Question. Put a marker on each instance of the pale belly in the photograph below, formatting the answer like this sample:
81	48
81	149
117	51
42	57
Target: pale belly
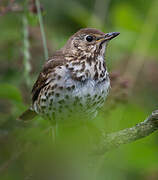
83	100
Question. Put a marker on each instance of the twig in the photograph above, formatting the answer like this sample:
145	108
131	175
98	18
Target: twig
42	29
27	66
125	136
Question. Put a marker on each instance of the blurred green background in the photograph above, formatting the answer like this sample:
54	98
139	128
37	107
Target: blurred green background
132	60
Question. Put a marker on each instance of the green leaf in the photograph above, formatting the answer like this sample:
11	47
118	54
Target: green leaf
32	19
10	92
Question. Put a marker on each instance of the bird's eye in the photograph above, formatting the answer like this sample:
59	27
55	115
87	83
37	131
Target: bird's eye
89	38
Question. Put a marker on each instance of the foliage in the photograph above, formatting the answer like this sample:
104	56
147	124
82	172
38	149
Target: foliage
132	59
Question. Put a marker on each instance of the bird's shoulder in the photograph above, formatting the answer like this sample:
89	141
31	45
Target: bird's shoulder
58	59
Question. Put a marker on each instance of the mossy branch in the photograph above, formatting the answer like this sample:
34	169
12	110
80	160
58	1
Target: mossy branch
125	136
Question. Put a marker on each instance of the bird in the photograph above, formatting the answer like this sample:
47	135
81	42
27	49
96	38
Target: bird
74	80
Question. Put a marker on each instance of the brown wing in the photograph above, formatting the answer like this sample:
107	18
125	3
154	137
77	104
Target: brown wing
57	60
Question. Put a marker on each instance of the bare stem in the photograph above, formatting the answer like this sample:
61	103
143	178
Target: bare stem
26	59
42	29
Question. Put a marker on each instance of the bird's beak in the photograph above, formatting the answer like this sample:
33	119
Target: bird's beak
108	36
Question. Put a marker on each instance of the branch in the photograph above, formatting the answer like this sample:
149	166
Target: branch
125	136
42	29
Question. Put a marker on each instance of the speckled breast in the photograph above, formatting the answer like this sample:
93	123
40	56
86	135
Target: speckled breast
74	99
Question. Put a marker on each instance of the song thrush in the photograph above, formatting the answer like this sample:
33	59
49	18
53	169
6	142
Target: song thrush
75	79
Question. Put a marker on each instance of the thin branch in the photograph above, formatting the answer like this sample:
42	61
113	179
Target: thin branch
42	29
26	52
125	136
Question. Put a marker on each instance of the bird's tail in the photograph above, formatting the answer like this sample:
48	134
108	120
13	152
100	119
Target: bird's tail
27	115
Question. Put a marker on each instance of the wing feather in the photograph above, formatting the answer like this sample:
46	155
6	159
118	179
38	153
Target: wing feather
43	76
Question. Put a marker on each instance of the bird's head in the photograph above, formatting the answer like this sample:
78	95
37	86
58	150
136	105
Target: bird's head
89	41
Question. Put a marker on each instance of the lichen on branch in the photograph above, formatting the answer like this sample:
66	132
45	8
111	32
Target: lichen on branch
125	136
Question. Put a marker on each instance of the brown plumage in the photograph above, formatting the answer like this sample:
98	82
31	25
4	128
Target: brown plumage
74	79
55	61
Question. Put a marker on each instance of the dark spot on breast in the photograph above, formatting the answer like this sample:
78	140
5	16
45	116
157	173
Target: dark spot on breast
54	75
102	101
89	61
52	93
73	86
68	88
83	58
99	97
86	74
95	67
57	94
102	74
95	102
48	87
61	101
43	100
53	87
83	68
77	78
98	102
52	79
100	65
96	76
59	77
51	102
83	65
67	97
71	68
82	78
104	65
75	63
